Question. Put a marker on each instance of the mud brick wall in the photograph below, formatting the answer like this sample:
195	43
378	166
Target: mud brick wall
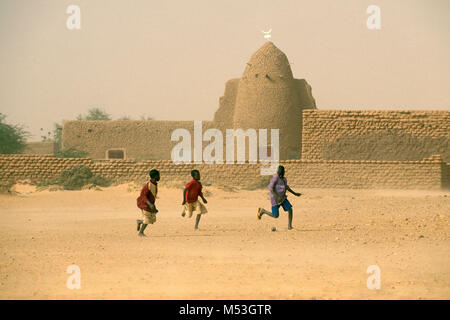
375	135
431	173
425	174
236	175
446	175
35	167
44	147
148	139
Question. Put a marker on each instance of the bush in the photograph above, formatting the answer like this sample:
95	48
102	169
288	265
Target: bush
76	179
95	114
70	153
12	137
6	186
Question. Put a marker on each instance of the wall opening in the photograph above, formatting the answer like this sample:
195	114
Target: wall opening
115	154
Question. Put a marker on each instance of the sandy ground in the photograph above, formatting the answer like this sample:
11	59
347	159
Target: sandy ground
339	233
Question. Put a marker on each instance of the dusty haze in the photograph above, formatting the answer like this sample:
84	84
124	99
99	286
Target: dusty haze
337	235
171	59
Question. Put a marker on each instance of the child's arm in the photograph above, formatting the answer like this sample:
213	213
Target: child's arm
200	193
297	194
184	196
151	205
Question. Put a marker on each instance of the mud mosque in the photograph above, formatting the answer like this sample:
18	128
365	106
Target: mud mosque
268	96
320	148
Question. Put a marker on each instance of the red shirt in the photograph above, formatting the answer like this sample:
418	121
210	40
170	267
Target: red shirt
148	193
193	190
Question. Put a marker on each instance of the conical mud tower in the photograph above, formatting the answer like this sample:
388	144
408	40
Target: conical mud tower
268	97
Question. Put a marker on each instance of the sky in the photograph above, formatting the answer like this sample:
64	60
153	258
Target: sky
170	59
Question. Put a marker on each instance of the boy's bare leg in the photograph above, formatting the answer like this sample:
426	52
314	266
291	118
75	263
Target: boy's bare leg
183	213
290	219
139	222
141	232
197	220
262	211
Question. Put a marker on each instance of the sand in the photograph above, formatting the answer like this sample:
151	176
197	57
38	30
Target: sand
339	233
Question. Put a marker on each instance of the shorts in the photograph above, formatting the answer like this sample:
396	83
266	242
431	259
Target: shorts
286	206
194	206
147	217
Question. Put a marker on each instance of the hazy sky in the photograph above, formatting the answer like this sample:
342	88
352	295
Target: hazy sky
171	59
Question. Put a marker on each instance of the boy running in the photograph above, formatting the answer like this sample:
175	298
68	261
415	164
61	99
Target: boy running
191	192
146	202
278	187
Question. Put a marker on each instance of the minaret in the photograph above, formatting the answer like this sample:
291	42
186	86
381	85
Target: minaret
269	97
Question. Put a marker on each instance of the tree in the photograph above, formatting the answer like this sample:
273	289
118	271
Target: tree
143	117
95	114
12	137
57	131
47	137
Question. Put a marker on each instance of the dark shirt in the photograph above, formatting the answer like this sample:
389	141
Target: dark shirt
148	193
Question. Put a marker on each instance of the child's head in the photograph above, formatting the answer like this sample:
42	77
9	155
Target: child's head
195	174
280	171
154	174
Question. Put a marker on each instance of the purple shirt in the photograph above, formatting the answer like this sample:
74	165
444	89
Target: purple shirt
280	188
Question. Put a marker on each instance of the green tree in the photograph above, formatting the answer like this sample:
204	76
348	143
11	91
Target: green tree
95	114
70	153
45	138
57	132
144	117
12	137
